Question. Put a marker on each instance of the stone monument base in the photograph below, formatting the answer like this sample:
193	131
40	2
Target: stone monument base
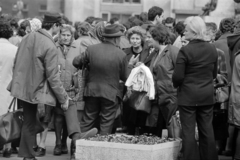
96	150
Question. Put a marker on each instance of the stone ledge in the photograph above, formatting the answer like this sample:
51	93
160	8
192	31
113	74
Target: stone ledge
94	150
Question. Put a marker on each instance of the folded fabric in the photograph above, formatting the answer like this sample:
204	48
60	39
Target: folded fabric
141	79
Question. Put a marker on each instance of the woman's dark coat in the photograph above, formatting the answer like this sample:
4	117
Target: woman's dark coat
196	67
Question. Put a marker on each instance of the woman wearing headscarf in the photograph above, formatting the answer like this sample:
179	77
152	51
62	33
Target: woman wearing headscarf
68	49
193	76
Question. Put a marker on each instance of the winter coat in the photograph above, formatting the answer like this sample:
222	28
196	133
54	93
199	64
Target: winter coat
68	75
36	77
234	102
144	57
234	46
7	55
196	67
222	44
107	65
162	67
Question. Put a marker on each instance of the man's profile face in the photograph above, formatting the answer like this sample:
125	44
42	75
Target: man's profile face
170	26
56	29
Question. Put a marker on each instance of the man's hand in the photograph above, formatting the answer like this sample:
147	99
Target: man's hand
134	60
65	105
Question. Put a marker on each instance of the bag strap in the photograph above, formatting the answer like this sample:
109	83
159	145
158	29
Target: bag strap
10	106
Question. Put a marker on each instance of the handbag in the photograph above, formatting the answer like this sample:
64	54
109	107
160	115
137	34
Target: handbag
174	128
222	94
138	101
11	124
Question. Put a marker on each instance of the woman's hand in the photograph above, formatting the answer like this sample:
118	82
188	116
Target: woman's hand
134	60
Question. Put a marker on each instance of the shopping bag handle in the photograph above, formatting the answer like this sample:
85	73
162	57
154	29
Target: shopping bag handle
10	106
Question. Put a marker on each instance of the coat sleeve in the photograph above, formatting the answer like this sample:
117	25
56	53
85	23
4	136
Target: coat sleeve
81	60
53	76
179	70
126	69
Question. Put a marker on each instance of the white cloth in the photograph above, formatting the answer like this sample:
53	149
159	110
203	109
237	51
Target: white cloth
141	79
178	42
7	55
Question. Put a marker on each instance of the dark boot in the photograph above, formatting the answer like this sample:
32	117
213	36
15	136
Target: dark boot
73	149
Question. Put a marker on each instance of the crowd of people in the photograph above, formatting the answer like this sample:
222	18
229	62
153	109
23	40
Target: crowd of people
72	78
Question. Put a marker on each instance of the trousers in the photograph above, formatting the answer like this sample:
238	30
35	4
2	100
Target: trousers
97	108
202	116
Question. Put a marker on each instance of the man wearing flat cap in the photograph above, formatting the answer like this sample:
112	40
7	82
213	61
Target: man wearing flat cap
36	79
107	64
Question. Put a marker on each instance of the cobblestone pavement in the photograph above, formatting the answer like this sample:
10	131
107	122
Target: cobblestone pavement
50	142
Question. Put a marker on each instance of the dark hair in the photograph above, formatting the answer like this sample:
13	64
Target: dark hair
65	20
170	20
113	20
127	25
90	19
83	28
134	21
160	33
97	20
237	23
153	12
143	16
48	26
13	23
22	28
5	30
226	25
212	26
218	35
179	28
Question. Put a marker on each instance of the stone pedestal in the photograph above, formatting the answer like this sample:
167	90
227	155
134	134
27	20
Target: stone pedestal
95	150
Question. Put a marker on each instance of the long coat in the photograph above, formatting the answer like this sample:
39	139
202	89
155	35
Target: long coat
234	102
107	65
7	55
196	67
234	45
222	44
162	67
35	76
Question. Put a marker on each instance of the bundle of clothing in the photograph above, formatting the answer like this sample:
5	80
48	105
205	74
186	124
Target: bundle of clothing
141	79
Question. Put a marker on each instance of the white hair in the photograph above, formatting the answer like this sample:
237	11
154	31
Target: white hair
197	25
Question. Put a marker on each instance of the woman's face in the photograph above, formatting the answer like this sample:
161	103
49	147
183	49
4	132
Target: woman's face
135	40
28	30
66	37
189	34
151	42
184	41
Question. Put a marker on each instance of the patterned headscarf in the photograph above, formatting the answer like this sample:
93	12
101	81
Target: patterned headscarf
36	24
97	31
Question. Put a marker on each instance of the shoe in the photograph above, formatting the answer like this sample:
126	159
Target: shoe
40	152
57	150
14	150
73	150
35	148
7	153
64	149
90	133
30	158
